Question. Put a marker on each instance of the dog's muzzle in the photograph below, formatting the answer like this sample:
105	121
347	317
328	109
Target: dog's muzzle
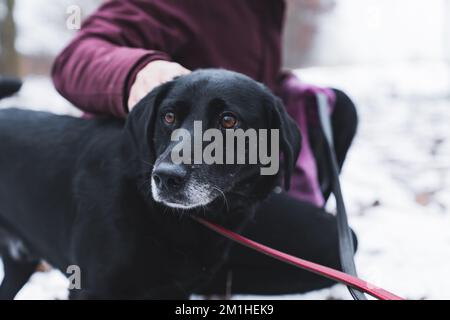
175	187
169	177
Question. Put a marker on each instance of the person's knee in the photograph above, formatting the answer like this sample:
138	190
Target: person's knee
355	240
345	111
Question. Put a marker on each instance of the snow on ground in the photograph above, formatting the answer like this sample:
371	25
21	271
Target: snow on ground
396	180
37	93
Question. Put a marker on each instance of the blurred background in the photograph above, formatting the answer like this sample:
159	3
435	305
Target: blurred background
391	56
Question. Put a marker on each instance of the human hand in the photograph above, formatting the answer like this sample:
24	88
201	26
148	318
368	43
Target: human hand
152	75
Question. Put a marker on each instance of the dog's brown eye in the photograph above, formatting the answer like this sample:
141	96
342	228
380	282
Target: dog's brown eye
169	117
228	121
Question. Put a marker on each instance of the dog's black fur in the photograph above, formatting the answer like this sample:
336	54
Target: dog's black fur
78	192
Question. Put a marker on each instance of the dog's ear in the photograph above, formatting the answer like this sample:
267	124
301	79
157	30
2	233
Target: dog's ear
140	123
290	138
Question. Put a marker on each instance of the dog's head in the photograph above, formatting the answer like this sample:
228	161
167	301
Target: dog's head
189	165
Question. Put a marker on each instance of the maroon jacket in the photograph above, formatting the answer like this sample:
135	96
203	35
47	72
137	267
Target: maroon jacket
95	72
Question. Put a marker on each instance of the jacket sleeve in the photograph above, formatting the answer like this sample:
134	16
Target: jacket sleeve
96	70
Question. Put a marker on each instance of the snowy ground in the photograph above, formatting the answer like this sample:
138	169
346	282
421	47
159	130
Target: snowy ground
396	180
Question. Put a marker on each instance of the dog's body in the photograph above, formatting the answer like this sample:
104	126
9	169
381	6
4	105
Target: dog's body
78	192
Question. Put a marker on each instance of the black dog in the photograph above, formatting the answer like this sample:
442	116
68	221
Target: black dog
79	192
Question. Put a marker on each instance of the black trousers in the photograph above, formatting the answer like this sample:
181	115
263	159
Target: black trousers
293	226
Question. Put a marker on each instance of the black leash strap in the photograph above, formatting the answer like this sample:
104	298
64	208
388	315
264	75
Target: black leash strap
346	245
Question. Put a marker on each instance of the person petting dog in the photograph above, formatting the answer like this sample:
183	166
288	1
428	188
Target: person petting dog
127	48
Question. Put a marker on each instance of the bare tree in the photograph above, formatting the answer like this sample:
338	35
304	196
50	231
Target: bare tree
9	58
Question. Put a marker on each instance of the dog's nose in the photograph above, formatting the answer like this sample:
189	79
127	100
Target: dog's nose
169	176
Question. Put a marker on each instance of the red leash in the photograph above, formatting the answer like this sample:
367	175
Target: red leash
330	273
